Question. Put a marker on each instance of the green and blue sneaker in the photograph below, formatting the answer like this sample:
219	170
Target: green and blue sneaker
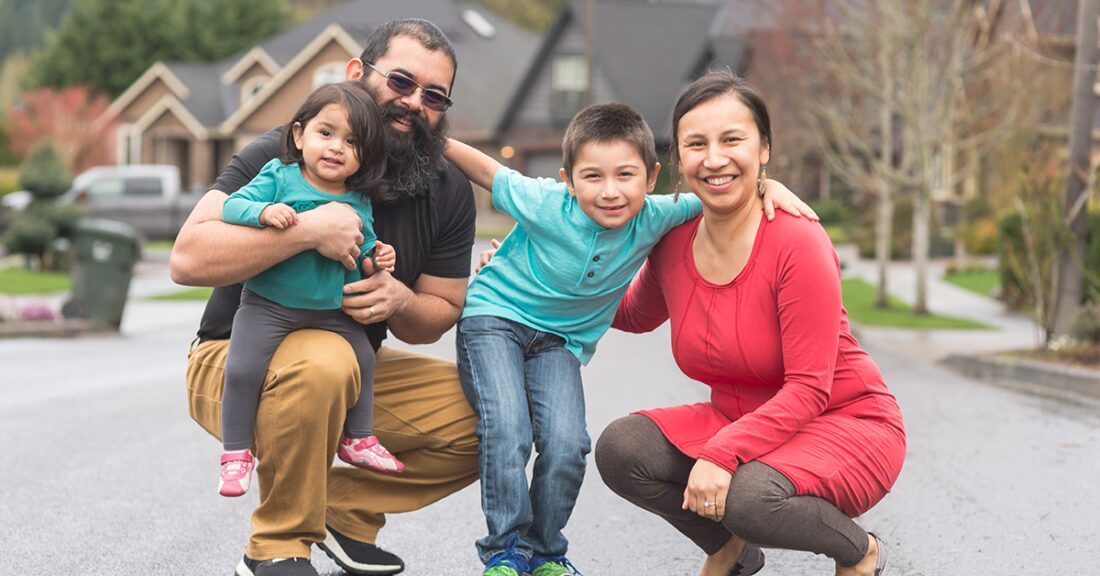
507	563
553	566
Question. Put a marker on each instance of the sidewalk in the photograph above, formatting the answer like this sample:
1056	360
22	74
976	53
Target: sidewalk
970	352
1012	331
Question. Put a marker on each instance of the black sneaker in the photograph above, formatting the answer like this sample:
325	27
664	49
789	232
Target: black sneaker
750	562
276	567
359	557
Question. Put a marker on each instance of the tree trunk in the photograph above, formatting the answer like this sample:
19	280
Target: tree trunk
922	216
884	229
1071	260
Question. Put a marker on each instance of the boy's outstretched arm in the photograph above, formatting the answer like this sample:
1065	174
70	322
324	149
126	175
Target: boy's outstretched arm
475	164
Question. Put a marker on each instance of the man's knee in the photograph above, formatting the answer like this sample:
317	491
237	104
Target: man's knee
320	363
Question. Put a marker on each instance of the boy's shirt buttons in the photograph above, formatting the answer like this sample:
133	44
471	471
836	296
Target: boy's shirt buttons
591	274
596	258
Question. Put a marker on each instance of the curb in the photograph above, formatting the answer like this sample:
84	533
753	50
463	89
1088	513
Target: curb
65	329
1030	376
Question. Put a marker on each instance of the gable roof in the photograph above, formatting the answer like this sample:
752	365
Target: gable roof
648	52
648	70
331	33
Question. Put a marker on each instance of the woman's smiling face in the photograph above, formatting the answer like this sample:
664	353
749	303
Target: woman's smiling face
721	153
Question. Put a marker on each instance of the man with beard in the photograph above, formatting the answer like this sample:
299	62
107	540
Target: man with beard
427	214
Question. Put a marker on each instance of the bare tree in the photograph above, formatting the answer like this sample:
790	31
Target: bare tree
1070	284
854	50
913	87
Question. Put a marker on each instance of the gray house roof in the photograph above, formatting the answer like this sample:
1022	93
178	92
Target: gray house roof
205	101
489	72
648	52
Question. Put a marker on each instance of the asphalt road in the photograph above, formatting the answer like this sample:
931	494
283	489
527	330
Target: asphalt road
995	483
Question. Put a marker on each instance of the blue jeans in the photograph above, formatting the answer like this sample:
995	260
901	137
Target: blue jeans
526	388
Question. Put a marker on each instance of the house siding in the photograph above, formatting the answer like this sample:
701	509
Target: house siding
537	109
278	108
146	100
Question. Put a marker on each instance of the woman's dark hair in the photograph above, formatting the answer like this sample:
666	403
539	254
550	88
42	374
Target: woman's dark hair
713	85
365	120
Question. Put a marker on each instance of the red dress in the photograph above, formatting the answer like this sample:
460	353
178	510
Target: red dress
790	386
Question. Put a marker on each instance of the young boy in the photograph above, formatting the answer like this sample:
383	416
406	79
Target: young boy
533	316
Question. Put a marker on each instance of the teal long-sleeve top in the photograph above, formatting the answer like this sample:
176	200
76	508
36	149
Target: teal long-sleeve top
307	280
559	271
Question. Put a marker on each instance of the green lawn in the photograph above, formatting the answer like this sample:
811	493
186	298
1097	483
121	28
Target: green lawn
22	281
158	246
859	300
981	281
187	294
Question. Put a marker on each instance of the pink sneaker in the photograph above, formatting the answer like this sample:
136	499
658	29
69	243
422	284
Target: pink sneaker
236	473
369	454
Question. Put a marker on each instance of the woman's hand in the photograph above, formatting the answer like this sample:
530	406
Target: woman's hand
707	488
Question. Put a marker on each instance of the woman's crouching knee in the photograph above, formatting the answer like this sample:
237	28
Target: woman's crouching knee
618	453
757	492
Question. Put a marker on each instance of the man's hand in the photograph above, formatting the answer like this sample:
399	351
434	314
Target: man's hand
375	298
384	255
278	216
707	488
335	231
487	255
776	195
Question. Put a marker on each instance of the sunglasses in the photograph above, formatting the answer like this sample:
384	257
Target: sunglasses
405	86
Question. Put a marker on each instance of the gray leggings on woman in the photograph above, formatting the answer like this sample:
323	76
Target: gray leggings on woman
638	463
258	328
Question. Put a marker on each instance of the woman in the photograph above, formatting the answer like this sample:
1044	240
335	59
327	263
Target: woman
801	434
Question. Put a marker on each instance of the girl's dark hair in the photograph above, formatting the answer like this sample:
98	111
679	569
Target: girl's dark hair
713	85
365	120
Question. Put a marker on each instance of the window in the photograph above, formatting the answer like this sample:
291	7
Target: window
568	85
250	87
147	186
330	73
106	188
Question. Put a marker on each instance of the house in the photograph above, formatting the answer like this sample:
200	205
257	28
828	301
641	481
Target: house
515	92
644	54
196	116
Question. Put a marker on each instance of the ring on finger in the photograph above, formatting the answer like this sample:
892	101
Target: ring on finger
371	310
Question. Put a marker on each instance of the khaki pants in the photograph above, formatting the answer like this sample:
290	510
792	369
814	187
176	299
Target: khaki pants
420	414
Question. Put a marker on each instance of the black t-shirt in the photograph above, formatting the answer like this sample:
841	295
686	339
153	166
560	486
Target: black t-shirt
433	232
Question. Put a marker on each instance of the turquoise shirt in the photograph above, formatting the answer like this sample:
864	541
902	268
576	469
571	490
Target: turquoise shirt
306	280
560	272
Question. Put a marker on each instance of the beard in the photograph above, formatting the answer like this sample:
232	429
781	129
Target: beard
412	158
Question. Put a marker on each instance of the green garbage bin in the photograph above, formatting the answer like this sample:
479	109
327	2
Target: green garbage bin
106	252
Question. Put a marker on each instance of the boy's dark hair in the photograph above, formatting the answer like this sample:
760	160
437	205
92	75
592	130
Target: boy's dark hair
713	85
429	35
606	123
366	127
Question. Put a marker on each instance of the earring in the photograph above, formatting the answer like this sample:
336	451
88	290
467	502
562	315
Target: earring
760	181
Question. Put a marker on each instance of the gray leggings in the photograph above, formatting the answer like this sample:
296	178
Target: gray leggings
258	328
638	463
